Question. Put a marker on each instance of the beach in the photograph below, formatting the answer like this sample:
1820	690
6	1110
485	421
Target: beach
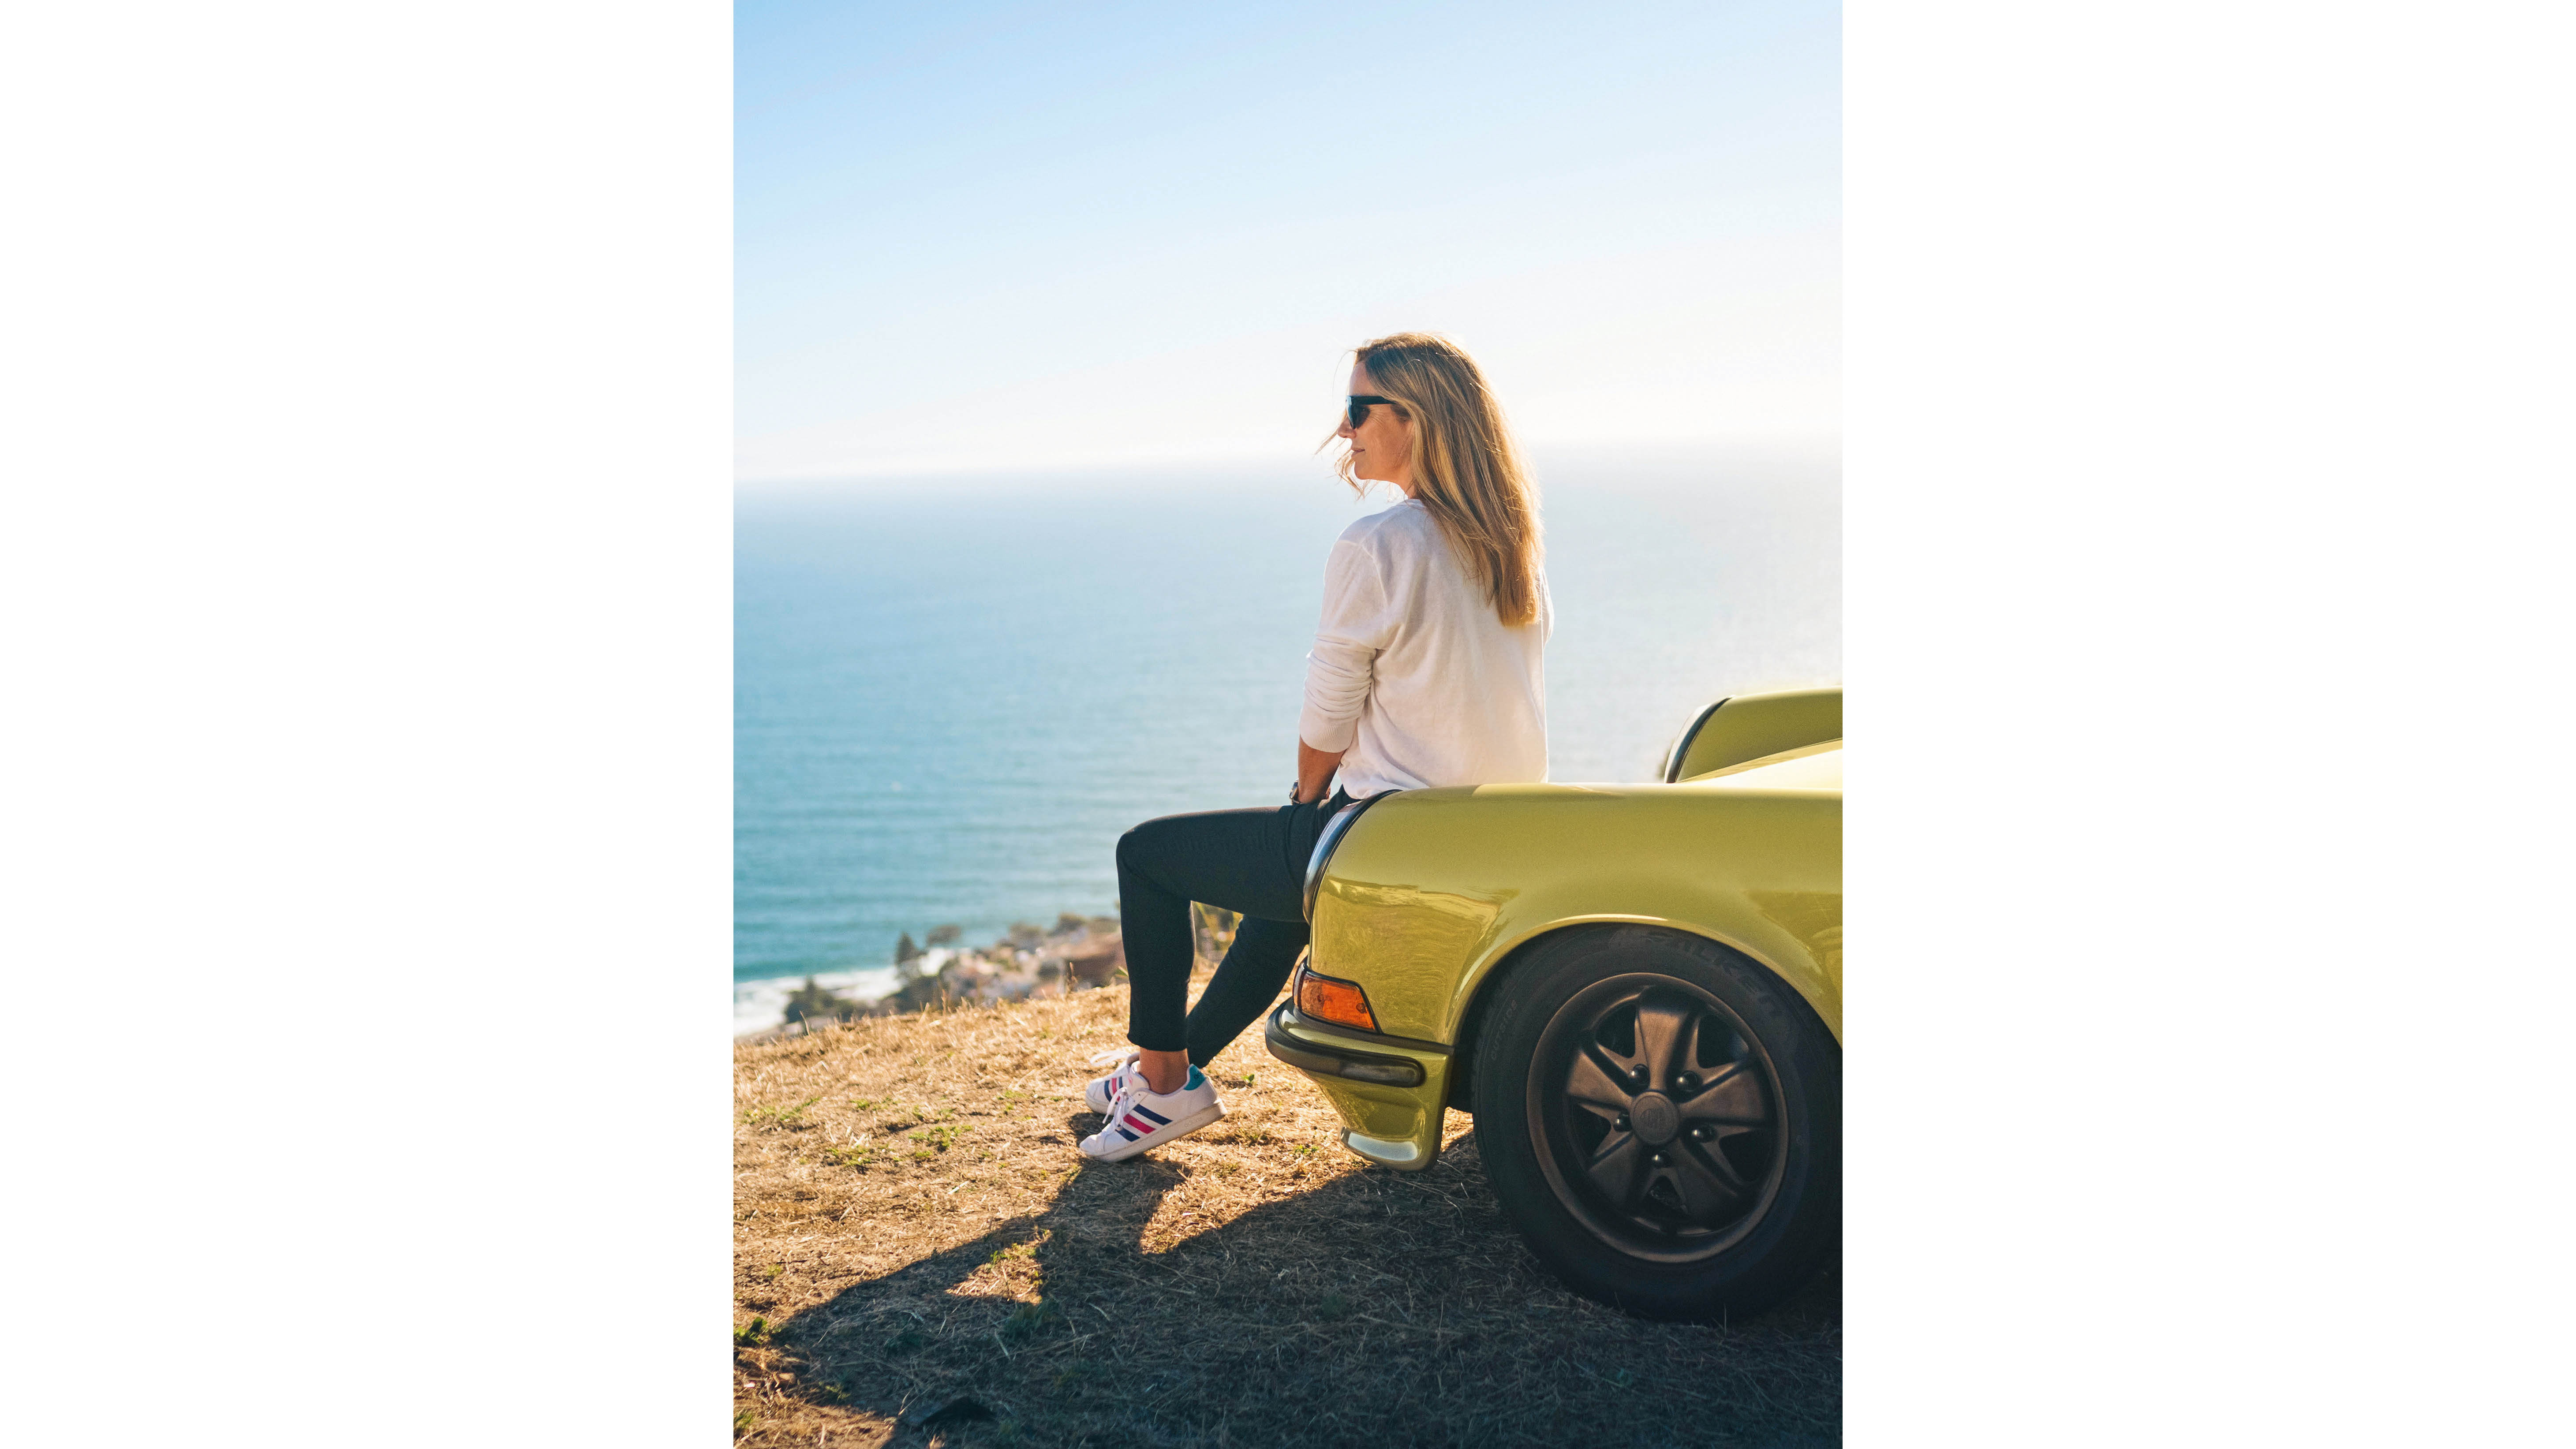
1027	963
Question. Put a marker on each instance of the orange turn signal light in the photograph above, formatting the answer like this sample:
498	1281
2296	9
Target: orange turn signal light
1339	1002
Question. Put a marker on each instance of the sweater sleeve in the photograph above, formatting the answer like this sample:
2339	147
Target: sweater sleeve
1340	668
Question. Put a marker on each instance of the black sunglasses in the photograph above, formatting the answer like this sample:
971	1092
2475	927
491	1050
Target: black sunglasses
1362	402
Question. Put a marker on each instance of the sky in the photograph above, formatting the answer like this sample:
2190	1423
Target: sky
994	237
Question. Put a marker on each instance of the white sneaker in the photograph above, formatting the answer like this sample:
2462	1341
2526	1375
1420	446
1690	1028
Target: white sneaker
1140	1117
1104	1090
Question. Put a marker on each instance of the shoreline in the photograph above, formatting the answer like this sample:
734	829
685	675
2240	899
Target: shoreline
1028	963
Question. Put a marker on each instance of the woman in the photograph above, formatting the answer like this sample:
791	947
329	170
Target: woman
1426	671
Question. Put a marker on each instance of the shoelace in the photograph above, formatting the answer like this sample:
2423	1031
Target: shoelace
1117	1061
1120	1102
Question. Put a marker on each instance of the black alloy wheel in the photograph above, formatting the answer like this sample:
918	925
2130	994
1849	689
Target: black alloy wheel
1661	1125
1671	1142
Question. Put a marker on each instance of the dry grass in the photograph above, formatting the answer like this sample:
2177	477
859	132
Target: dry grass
914	1227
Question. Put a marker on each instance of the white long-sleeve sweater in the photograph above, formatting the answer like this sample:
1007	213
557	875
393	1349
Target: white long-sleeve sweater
1413	674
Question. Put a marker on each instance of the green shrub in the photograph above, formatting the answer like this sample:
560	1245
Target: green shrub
812	1000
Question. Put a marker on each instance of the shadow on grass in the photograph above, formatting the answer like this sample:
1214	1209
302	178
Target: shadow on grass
1376	1308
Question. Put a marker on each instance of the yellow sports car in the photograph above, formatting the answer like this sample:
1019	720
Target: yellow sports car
1636	989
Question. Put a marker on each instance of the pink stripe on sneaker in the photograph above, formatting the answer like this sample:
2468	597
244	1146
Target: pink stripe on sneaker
1141	1128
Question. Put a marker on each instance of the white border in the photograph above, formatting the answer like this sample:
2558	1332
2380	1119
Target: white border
2207	393
366	573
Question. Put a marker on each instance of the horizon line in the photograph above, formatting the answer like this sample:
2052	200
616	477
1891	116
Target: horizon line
1810	445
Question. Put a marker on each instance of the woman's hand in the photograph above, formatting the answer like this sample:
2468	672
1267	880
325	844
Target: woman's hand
1315	770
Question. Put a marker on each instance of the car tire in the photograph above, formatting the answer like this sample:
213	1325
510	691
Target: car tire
1662	1118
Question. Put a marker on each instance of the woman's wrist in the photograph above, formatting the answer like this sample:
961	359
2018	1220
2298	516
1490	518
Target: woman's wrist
1314	772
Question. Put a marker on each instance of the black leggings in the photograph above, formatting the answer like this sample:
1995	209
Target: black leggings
1253	861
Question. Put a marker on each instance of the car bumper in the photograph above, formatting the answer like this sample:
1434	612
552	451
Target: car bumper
1392	1096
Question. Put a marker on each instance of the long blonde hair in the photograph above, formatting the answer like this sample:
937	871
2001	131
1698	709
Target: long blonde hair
1467	472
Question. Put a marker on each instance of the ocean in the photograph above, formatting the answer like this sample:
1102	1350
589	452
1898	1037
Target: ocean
951	696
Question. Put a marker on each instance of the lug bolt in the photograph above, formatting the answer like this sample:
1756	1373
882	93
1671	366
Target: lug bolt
1688	1081
1623	1121
1703	1132
1657	1159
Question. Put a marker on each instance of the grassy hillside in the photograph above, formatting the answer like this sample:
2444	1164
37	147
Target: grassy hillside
914	1232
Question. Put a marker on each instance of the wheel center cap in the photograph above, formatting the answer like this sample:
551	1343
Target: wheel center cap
1655	1118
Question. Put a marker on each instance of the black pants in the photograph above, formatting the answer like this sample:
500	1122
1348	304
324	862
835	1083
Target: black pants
1253	861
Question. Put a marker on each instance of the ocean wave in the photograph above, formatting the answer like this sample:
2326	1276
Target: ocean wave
762	1004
